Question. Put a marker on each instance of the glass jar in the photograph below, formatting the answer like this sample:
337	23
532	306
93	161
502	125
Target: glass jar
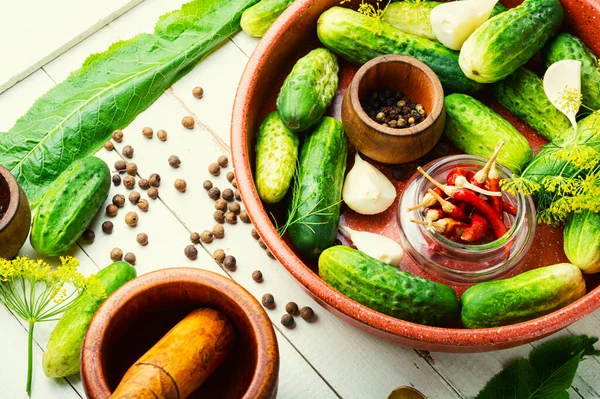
462	262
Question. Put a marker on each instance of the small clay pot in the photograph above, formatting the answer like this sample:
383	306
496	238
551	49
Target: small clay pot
142	311
15	215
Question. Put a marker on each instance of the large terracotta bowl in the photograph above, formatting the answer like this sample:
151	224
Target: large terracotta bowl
142	311
15	215
291	37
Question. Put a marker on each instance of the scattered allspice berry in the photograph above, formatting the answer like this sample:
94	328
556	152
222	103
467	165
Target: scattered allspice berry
129	182
142	239
223	161
255	234
116	179
257	276
244	216
195	238
89	235
262	244
143	205
268	301
144	184
154	180
109	146
117	136
229	262
287	320
227	194
307	313
119	200
207	185
230	176
219	255
234	207
130	258
291	308
120	165
214	169
207	236
153	193
111	210
230	218
174	161
131	219
221	205
198	92
191	252
128	151
107	227
218	231
234	183
214	193
180	185
219	216
238	196
147	132
131	168
134	197
270	254
162	135
116	254
188	122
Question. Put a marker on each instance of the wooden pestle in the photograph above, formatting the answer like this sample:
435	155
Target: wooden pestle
181	361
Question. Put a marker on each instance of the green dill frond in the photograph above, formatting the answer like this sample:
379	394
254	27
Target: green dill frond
519	184
560	185
581	156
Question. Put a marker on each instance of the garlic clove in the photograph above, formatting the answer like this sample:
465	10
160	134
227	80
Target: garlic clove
376	246
562	85
454	22
366	190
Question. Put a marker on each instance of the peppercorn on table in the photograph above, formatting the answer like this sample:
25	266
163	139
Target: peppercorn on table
324	358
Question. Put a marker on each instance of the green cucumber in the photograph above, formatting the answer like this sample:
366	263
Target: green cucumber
387	289
522	93
503	43
582	241
61	358
257	19
314	213
568	47
359	38
69	206
476	129
276	158
524	297
308	90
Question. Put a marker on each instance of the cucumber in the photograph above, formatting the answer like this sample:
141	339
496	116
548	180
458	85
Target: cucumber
522	93
387	289
359	38
476	129
582	241
61	358
314	213
257	19
507	41
568	47
524	297
308	90
276	158
69	206
413	16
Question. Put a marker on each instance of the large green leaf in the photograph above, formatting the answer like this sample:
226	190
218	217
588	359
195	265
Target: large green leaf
74	119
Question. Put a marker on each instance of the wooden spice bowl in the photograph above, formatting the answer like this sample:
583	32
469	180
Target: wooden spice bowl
15	215
142	311
385	144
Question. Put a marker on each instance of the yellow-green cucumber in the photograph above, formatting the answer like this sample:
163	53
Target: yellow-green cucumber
314	212
308	90
524	297
257	19
387	289
61	358
476	129
69	206
503	43
582	241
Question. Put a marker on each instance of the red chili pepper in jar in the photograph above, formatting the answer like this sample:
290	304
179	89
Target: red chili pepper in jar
450	209
477	229
481	176
494	180
428	200
458	172
445	226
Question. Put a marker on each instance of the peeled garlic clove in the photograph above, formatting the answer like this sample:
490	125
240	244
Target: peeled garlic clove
454	22
376	246
562	85
366	190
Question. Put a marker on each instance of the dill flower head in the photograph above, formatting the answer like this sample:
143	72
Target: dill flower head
569	100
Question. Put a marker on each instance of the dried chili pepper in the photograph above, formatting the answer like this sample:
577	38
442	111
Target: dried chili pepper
458	172
428	200
509	208
444	226
450	209
494	180
481	176
477	229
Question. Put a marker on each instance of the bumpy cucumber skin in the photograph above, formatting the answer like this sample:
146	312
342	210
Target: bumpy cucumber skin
308	90
359	39
61	358
257	19
321	177
582	241
522	93
476	129
507	41
276	158
568	47
69	206
524	297
387	289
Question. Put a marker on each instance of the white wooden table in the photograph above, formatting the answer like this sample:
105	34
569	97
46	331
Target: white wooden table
325	359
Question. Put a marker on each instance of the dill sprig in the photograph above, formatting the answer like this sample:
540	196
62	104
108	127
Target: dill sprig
373	11
37	292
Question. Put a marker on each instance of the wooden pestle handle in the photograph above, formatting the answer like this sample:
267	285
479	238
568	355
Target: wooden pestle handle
181	361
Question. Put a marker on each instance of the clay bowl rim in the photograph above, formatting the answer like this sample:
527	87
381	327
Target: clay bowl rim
417	335
14	197
91	366
437	89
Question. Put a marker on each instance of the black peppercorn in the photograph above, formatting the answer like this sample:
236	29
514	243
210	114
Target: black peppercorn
268	301
107	227
116	179
229	262
88	235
